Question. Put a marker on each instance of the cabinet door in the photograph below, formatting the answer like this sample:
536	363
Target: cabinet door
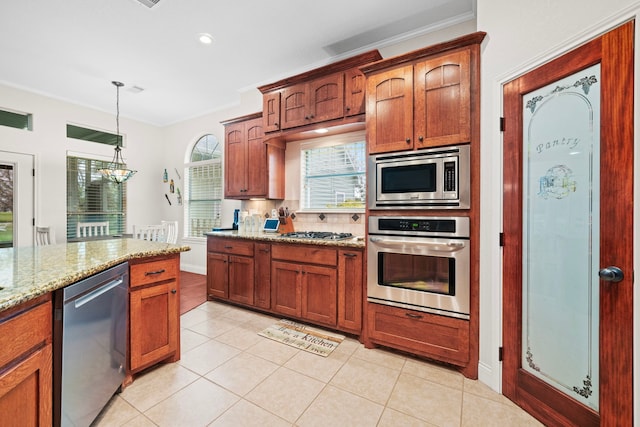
295	103
326	98
350	290
235	160
262	282
26	390
319	291
217	275
271	111
390	110
285	288
256	154
241	279
354	91
442	104
154	324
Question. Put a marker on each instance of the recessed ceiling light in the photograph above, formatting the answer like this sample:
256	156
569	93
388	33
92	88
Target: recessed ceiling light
205	38
322	130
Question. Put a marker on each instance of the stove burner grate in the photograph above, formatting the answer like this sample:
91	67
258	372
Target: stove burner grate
318	235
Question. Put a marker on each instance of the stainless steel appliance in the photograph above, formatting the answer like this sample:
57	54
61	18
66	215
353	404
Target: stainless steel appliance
421	263
90	345
424	179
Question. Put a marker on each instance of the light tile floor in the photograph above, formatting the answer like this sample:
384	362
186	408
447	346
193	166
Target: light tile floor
230	376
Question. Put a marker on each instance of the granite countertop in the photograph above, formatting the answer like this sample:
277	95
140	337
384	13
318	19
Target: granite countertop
28	272
355	242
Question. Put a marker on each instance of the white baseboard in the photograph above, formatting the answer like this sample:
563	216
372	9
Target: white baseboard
486	375
192	268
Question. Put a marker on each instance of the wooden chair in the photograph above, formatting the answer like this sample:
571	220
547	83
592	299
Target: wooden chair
172	231
45	236
92	229
153	233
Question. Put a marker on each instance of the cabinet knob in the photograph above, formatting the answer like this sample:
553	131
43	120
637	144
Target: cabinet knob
408	140
173	291
348	108
421	138
276	124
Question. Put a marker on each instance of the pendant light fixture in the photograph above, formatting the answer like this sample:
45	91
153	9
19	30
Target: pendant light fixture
117	170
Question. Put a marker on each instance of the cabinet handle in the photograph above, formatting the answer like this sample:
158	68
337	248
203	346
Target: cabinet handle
350	255
151	273
408	140
421	138
266	251
228	247
173	291
413	316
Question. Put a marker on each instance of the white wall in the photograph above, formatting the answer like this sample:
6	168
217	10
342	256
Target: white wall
144	147
521	35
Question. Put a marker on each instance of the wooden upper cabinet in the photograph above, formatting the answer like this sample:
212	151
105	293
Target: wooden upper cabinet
271	111
333	93
425	98
389	110
442	104
253	166
295	105
326	101
355	85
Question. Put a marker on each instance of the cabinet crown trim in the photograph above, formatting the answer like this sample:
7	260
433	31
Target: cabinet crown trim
410	57
242	118
335	67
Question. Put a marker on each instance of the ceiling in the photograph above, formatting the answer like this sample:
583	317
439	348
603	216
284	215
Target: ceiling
72	49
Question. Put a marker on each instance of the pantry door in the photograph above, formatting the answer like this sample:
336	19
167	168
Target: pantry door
568	236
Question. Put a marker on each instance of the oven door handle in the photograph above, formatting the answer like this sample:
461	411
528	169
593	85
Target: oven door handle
439	247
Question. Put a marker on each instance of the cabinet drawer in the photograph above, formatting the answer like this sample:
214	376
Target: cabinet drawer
438	337
305	254
153	271
230	246
24	331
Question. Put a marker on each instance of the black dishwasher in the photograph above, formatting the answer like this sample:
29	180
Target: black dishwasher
90	345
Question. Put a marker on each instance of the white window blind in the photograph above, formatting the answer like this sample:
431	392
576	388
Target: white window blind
203	197
203	187
92	198
333	177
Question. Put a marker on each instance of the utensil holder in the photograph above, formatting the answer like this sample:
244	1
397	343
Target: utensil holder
286	225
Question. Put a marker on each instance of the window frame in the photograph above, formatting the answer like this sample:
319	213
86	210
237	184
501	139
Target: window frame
187	206
330	141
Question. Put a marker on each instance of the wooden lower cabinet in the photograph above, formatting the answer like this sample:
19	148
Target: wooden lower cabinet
318	284
438	337
26	365
154	323
262	272
350	291
230	270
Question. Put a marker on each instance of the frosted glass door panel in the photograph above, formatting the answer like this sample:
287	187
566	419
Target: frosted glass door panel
561	234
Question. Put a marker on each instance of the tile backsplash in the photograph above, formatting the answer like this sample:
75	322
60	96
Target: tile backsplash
343	222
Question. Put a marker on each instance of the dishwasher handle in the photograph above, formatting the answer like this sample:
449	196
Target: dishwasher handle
97	292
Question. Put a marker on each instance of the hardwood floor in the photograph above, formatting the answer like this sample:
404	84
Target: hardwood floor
193	290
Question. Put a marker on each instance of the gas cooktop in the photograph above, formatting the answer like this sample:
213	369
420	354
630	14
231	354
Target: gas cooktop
318	235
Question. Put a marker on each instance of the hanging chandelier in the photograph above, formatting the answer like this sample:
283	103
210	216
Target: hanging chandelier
117	170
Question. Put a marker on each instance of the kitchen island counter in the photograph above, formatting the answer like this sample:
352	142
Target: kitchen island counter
28	272
354	242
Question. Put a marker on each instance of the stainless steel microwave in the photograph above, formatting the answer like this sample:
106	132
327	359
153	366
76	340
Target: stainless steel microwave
436	178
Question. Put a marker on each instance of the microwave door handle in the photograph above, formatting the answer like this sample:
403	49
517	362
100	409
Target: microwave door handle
439	247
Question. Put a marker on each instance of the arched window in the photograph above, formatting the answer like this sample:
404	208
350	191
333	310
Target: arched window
203	187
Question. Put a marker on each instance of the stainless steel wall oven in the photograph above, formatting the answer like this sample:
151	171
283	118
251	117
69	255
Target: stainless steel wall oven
420	263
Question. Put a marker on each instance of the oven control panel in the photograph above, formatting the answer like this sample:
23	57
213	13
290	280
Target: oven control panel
440	226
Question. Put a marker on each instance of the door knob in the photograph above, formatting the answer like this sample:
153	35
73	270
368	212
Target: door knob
611	274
